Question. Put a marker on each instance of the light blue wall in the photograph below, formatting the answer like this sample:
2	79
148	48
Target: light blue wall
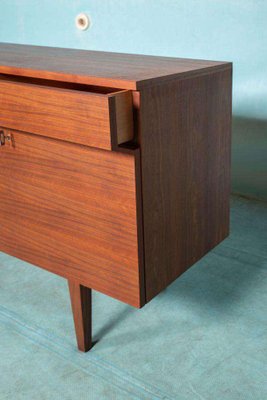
232	30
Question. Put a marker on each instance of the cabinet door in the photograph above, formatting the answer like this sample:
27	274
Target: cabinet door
72	210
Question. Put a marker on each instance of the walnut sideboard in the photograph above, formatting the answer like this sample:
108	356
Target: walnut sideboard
115	168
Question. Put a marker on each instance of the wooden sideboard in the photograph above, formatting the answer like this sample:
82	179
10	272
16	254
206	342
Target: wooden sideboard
115	168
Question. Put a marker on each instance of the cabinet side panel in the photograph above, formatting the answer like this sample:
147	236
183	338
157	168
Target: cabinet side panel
185	140
72	210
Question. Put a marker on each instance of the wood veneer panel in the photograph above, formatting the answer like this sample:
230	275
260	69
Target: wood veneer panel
127	71
185	142
71	209
72	115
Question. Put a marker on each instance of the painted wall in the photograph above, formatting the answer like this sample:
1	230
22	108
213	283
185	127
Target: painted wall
232	30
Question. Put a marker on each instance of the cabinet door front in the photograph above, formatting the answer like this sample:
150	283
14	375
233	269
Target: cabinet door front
71	209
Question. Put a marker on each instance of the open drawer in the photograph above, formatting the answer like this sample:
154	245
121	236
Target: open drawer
92	116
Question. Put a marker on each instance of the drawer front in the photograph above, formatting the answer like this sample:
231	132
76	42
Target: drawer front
72	210
93	119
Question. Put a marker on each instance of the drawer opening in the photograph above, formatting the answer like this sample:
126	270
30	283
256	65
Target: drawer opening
60	85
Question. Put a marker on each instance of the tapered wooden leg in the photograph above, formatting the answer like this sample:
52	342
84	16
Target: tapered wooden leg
81	303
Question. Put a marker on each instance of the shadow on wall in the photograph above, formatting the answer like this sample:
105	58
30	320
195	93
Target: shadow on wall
249	157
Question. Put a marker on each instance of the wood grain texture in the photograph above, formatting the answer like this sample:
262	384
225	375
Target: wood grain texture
72	210
81	304
121	107
126	71
72	115
118	191
185	141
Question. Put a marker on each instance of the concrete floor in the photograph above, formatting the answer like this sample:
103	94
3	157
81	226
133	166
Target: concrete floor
204	337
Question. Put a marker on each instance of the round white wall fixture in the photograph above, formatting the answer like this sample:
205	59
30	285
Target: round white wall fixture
82	21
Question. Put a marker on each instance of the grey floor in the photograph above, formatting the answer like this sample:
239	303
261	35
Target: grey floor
203	338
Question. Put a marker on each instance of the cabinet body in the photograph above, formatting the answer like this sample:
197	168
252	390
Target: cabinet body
117	183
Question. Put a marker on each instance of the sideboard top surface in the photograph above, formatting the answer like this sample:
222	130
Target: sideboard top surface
126	71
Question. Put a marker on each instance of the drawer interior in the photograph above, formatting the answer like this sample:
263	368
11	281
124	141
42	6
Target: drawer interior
60	84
